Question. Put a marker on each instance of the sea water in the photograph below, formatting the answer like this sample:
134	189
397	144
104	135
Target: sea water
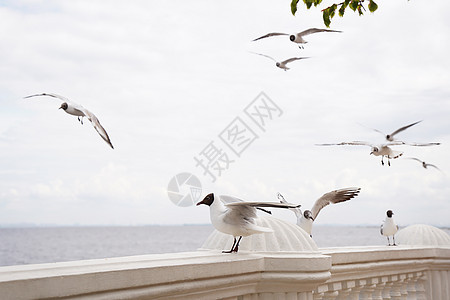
55	244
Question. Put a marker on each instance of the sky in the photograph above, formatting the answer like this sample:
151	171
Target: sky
174	83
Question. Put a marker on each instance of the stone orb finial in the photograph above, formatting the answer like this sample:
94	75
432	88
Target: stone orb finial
423	235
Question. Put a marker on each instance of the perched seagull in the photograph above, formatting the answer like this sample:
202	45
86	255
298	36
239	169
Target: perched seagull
79	111
236	217
390	137
382	150
424	164
282	64
297	37
389	228
305	220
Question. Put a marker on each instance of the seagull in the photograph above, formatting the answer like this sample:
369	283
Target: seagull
389	228
305	220
424	164
297	37
382	150
236	217
390	137
282	64
79	111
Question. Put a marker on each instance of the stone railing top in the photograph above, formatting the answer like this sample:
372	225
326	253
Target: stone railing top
423	235
287	237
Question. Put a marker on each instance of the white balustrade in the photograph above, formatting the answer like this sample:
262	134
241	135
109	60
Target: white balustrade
403	272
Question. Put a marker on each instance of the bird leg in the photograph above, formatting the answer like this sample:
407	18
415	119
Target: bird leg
236	248
300	47
232	247
389	162
382	162
81	120
389	242
393	238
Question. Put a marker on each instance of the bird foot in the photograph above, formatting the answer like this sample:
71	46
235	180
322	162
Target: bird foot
389	163
229	251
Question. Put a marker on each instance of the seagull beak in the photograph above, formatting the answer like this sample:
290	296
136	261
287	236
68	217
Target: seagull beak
201	202
312	218
371	153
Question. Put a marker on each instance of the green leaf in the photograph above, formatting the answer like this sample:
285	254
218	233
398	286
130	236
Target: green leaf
360	11
343	7
294	6
372	6
332	10
308	3
354	5
317	2
326	17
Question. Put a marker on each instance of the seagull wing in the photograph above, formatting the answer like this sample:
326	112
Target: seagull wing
334	197
292	59
262	204
315	30
403	128
421	144
297	211
64	99
264	56
98	127
431	165
354	143
270	34
413	158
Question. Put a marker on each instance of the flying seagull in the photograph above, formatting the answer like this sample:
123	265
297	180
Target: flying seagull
390	137
297	37
79	111
233	216
389	228
424	164
281	64
305	220
382	150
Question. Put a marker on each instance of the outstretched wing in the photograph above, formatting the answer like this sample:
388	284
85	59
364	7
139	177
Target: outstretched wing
403	128
413	158
315	30
264	56
270	34
50	95
431	165
98	127
64	99
354	143
262	204
334	197
297	211
293	59
421	144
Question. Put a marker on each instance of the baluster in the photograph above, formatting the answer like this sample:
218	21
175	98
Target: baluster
403	286
396	287
369	288
344	293
420	286
387	290
411	287
379	287
356	291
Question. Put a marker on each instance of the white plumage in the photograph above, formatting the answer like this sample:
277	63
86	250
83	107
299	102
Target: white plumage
235	217
79	111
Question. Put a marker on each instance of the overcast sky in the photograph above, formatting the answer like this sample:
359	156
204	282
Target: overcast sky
167	79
